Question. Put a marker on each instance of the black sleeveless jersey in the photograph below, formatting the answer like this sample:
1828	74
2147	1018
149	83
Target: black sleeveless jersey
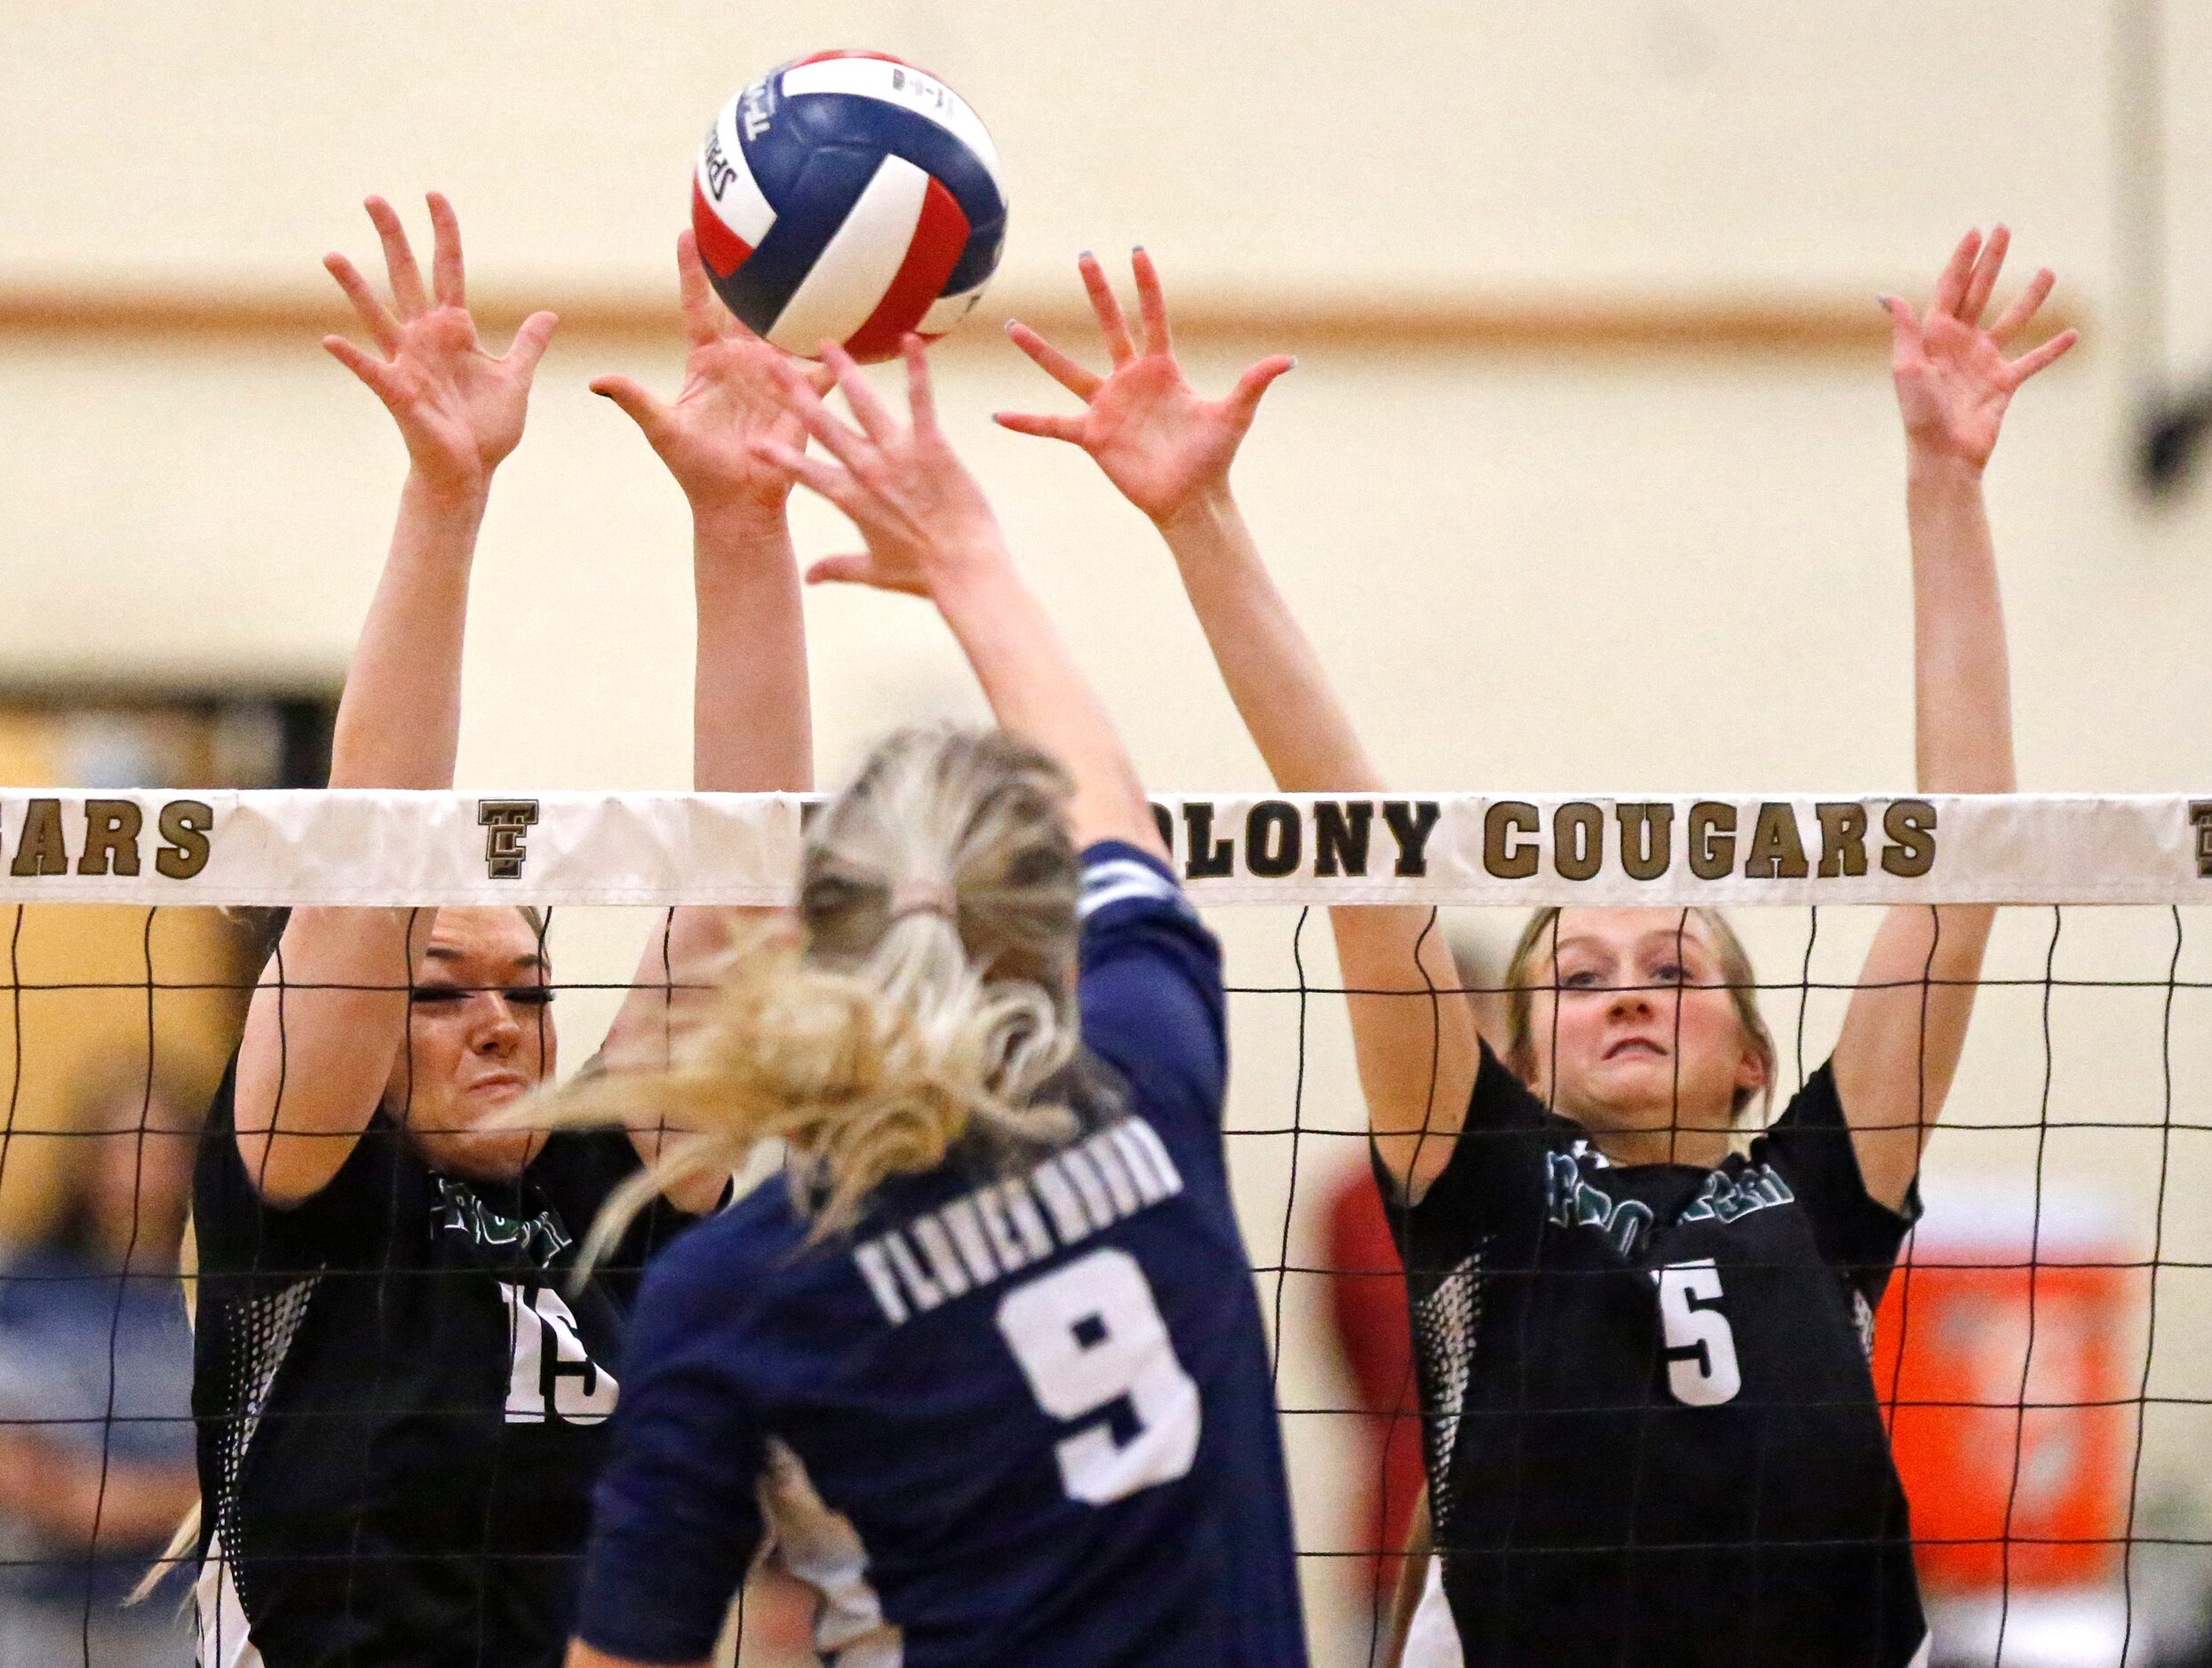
401	1409
1651	1430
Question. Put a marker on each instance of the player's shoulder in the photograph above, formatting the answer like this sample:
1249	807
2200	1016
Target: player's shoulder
1125	886
726	1264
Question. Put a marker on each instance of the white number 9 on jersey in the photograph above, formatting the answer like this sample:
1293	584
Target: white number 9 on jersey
1087	1336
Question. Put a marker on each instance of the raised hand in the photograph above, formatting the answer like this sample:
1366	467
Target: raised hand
459	409
1953	381
732	395
916	505
1161	444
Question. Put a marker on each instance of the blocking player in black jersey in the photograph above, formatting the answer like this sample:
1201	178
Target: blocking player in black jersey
402	1407
1653	1432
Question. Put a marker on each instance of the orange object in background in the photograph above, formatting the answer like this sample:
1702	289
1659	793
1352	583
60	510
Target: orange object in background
2017	1477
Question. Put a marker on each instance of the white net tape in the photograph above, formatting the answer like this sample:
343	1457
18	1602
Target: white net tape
379	848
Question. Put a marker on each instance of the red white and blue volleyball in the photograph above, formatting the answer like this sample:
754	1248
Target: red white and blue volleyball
848	197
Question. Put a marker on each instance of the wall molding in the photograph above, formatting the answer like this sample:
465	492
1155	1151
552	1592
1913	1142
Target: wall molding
1762	324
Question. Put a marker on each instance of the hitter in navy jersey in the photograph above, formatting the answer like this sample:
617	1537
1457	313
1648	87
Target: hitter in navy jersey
987	1371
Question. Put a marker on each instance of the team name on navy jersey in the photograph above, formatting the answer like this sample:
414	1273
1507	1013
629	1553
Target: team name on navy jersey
999	1230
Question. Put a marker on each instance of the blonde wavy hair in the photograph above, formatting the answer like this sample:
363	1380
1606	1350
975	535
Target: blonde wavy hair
930	996
1736	973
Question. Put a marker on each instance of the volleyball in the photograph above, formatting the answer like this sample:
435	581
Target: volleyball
848	197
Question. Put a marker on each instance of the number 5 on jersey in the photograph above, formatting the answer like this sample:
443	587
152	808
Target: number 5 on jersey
1089	1335
1701	1367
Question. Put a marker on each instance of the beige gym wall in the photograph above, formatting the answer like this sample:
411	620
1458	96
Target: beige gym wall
1532	562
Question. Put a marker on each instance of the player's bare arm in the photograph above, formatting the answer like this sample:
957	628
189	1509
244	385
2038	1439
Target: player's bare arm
1906	1024
582	1655
330	1014
752	722
1169	450
929	531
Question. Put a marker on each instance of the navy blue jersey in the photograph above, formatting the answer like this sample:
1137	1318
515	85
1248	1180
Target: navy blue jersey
1015	1417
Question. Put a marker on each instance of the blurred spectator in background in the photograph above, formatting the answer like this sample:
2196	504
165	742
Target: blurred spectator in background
96	1436
1368	1307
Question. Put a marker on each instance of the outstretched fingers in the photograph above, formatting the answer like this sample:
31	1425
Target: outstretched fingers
1055	364
373	371
842	442
874	416
1038	423
446	281
2024	306
1905	331
1957	273
399	260
1112	323
1983	279
1151	302
635	402
371	312
703	310
1244	398
857	569
921	395
812	472
2041	358
530	341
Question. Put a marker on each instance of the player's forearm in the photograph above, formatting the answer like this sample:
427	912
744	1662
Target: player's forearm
1962	689
399	718
1036	690
1277	680
752	721
315	1053
752	733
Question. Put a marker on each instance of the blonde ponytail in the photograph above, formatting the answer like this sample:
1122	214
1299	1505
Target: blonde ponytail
930	1000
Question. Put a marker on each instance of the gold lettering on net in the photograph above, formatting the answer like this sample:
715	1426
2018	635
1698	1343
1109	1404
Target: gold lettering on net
1711	832
1646	842
1910	826
1777	853
111	837
185	824
41	850
505	821
1505	855
2201	818
1578	840
1842	839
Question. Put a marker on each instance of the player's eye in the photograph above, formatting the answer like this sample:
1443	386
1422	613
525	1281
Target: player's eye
529	995
435	995
1581	979
1670	973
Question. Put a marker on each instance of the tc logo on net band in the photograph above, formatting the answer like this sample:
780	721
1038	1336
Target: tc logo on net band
505	823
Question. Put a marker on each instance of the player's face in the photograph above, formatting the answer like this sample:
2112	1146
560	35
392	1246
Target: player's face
1641	1033
480	1036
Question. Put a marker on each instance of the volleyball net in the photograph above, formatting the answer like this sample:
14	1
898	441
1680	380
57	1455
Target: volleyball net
2044	1354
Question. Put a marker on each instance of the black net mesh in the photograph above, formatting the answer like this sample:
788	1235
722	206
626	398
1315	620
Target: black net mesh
2042	1354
